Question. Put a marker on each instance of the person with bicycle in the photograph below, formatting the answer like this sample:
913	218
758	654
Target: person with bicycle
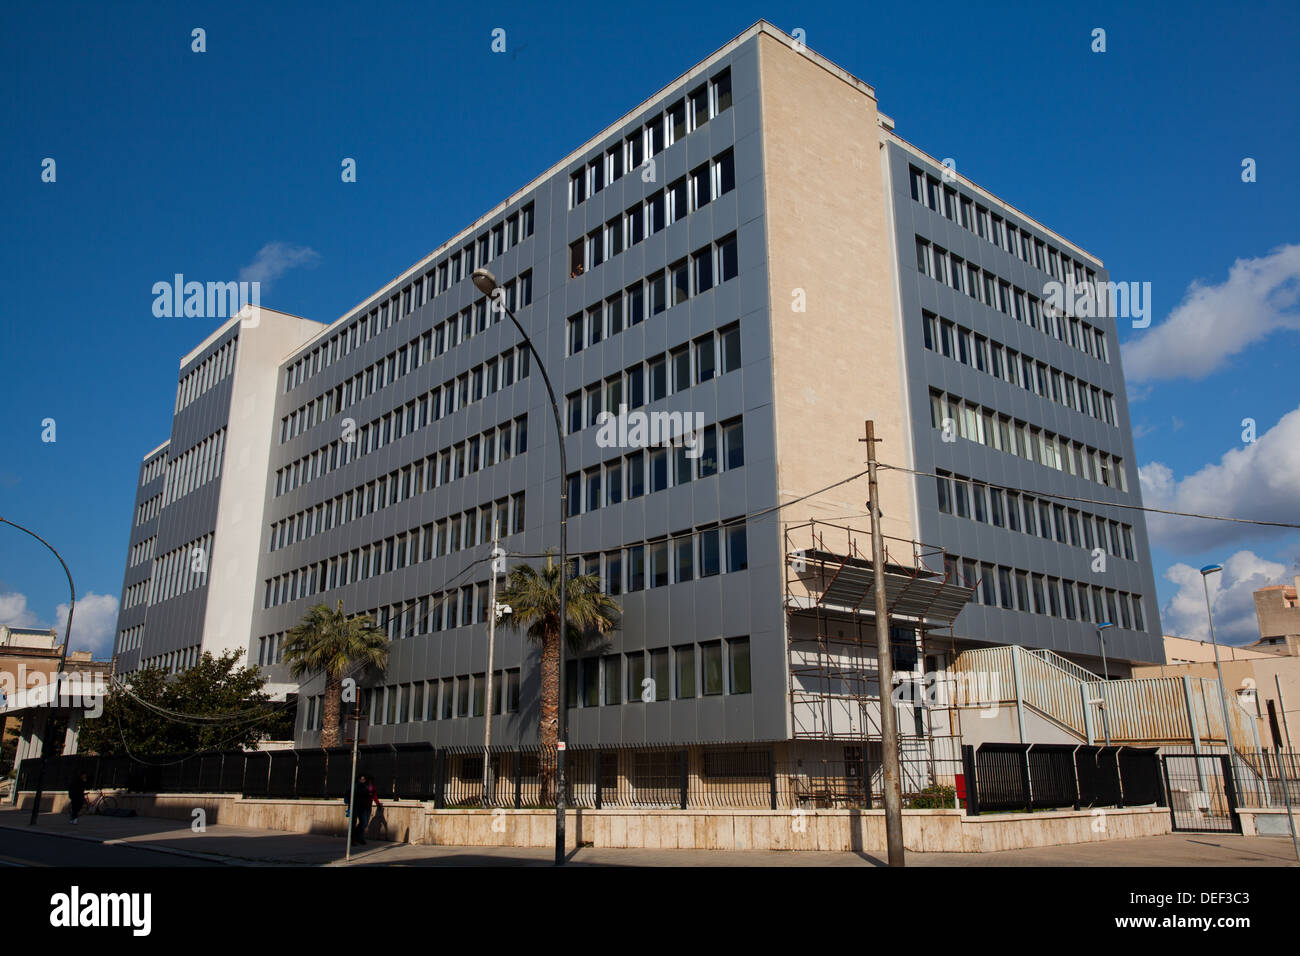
77	796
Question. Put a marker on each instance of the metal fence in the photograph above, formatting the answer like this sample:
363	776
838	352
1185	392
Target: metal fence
1001	777
737	777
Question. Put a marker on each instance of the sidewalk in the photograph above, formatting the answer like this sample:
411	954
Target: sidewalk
246	846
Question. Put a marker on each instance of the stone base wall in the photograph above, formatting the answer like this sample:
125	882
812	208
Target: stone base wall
409	821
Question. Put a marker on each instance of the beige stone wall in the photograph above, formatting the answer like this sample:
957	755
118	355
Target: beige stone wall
837	364
927	831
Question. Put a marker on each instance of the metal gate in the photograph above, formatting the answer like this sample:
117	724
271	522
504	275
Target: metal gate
1202	793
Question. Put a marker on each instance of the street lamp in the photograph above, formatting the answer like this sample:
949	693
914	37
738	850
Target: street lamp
487	283
58	674
1105	675
1218	668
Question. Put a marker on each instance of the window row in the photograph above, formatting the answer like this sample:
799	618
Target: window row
464	458
141	551
148	510
153	469
1034	593
954	417
996	293
434	405
691	363
672	125
404	360
974	217
181	570
697	273
173	662
194	468
705	183
508	232
436	539
1005	363
129	638
970	498
209	372
649	470
135	595
682	672
672	559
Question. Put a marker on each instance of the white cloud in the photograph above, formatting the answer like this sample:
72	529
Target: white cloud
14	610
1231	594
1260	480
1215	322
275	259
93	624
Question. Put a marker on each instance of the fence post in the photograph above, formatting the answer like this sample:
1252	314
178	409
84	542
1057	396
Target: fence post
519	773
685	776
972	792
1230	792
771	773
599	767
440	779
1024	777
1119	780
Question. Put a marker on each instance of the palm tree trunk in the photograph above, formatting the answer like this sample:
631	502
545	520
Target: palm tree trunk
329	733
549	714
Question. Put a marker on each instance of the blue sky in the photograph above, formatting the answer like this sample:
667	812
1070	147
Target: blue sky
174	161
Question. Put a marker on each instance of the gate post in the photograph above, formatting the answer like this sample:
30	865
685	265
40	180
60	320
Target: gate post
440	779
1024	777
1169	791
972	792
519	777
685	776
1230	792
771	773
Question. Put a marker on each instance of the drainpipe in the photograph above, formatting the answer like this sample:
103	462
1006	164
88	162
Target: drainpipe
1017	679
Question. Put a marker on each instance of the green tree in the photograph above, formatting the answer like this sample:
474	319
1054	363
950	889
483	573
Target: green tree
534	600
329	642
217	704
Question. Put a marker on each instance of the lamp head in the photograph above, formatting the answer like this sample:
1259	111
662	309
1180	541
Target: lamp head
1210	569
484	281
1104	624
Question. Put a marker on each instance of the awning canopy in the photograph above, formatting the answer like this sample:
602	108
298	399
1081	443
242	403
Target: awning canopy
840	582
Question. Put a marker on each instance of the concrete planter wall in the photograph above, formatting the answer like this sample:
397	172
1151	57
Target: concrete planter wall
931	831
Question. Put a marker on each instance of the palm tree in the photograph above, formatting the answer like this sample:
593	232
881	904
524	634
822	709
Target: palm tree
534	600
330	641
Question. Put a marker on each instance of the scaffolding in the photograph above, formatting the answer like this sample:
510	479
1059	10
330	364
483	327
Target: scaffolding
834	688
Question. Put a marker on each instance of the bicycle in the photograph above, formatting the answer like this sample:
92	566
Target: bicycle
102	804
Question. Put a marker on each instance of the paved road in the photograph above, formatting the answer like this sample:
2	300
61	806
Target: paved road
37	848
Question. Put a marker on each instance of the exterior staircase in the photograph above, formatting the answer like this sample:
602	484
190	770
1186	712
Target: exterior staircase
1149	711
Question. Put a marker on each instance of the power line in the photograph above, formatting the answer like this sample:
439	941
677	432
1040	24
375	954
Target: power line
1110	504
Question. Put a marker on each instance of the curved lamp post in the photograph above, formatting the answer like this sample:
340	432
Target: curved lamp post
1218	668
1105	674
58	674
487	283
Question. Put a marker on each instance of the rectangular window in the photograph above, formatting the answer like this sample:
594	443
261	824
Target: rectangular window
738	681
684	671
711	667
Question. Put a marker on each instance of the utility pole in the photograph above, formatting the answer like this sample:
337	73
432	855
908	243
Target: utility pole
352	791
498	565
885	669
